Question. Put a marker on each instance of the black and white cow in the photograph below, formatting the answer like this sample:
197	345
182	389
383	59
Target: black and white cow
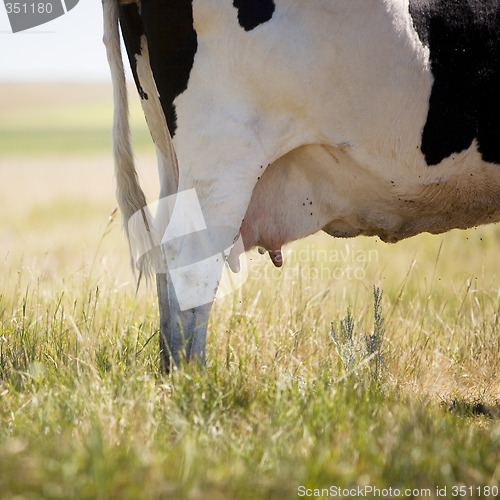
274	119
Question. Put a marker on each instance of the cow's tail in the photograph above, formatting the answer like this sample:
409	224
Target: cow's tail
129	194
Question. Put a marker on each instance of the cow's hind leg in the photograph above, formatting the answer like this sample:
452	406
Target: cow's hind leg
182	333
187	331
163	305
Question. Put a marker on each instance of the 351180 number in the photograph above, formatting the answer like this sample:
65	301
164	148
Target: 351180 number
29	8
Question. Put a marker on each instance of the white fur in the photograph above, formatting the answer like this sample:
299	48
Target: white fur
352	76
313	120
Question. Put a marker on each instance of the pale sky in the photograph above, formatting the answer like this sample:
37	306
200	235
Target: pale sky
68	48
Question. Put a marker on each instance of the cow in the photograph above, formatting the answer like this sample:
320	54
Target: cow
275	119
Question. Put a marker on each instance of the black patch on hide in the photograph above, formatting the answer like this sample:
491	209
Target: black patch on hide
252	13
172	44
132	31
463	37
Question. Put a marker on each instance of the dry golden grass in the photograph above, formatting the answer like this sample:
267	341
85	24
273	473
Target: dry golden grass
84	413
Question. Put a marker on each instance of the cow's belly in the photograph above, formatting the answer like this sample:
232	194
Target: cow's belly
319	187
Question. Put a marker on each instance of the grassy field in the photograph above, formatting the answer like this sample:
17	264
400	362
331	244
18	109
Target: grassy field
278	413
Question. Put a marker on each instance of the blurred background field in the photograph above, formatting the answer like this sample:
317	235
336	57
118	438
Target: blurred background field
60	119
57	172
84	413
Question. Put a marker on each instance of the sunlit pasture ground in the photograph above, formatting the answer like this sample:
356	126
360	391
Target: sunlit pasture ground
85	413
